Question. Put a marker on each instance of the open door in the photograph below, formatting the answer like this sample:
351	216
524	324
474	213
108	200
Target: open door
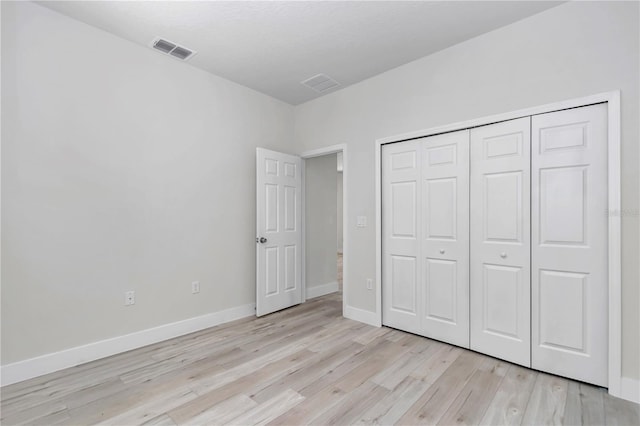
279	231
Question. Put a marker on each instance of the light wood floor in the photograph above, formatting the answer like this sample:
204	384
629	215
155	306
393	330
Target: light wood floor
306	365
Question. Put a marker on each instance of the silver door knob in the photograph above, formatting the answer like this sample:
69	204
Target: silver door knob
441	251
503	255
261	240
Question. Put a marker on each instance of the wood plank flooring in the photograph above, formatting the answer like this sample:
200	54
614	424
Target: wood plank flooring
306	365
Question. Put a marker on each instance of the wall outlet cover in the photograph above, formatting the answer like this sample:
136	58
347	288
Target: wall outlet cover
129	298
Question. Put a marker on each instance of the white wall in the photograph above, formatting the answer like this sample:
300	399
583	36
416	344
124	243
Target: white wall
321	237
122	169
573	50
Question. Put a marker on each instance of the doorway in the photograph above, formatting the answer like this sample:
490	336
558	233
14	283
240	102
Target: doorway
325	253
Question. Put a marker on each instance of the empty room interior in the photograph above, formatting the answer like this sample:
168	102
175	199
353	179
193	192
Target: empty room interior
320	212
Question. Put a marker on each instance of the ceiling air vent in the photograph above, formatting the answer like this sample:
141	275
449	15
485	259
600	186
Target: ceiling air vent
321	83
173	49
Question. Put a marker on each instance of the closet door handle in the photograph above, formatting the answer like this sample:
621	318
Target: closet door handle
503	255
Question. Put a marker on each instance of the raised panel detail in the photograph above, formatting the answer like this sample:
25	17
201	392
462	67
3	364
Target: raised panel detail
290	170
503	145
403	209
403	283
568	136
271	166
562	305
271	270
502	207
441	214
440	286
563	205
441	155
500	287
278	225
570	262
289	208
289	268
271	211
403	160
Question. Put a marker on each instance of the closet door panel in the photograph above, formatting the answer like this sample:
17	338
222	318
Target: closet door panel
569	243
401	230
500	240
445	242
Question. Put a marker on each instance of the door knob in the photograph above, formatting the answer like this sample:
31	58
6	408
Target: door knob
261	240
503	255
441	251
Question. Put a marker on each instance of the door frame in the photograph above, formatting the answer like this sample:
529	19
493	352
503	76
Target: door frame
617	386
333	149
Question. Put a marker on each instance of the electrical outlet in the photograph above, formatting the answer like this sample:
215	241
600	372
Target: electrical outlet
129	298
195	287
369	284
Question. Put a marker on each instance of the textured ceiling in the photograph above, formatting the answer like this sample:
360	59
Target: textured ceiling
273	46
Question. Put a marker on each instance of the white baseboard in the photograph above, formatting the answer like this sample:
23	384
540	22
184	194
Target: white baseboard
45	364
322	289
630	389
361	315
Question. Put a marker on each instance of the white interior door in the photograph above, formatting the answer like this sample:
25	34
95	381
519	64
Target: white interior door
445	237
569	250
400	236
500	240
279	232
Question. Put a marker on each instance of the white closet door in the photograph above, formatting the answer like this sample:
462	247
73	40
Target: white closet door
401	229
569	250
445	237
500	240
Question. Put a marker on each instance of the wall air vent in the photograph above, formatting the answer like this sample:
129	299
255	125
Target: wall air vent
320	83
173	49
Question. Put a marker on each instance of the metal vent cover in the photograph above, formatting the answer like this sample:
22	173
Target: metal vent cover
173	49
320	83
